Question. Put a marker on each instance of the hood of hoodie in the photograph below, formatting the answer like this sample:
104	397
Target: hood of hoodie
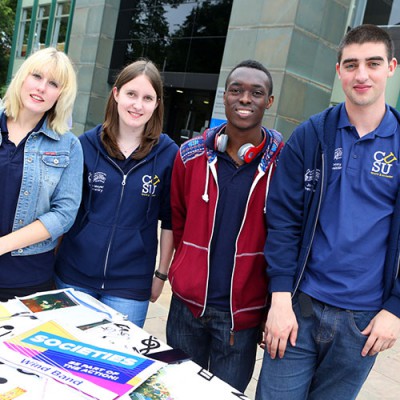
274	142
94	152
93	137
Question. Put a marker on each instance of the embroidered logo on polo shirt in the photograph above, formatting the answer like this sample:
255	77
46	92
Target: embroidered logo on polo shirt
150	185
337	159
383	164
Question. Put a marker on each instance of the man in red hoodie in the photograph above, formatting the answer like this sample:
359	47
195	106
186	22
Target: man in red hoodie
219	186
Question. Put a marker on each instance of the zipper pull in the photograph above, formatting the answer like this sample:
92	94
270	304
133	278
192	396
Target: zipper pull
232	338
123	181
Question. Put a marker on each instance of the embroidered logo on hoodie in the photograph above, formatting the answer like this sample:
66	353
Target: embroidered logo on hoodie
311	177
97	180
150	185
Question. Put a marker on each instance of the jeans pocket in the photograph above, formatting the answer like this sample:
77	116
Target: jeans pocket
359	320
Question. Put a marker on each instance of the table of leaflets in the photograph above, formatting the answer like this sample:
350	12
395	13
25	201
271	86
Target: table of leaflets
64	344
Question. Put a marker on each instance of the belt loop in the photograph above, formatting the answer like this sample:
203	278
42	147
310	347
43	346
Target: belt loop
306	305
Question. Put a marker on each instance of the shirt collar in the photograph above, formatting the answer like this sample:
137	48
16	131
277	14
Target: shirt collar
386	128
4	129
3	123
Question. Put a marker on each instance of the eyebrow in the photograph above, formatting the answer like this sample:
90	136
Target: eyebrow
374	58
236	83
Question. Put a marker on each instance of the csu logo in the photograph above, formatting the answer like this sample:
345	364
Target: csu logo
383	163
149	185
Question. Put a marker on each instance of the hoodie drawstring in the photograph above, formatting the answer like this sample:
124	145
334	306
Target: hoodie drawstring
89	203
205	194
267	186
153	174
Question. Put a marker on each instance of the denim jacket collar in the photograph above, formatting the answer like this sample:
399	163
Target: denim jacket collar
48	132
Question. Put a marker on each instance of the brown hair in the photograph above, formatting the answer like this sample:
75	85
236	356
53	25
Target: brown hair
153	127
365	34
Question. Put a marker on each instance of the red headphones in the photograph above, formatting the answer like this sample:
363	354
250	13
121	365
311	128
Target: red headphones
246	153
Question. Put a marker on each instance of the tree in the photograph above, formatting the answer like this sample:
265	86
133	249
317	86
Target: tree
7	20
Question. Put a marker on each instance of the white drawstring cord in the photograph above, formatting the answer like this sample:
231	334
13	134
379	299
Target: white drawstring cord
267	187
205	194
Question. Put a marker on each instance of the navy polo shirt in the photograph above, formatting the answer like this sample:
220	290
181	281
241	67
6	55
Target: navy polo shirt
20	271
346	264
234	185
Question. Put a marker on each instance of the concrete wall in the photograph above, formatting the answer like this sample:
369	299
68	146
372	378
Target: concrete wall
90	48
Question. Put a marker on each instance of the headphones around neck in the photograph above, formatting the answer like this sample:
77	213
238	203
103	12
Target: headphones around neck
246	152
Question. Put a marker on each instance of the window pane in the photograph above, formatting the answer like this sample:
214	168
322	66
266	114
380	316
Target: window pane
42	22
377	12
23	33
60	25
179	36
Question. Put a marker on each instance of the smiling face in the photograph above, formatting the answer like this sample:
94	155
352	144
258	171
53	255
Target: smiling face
363	71
39	93
246	98
136	101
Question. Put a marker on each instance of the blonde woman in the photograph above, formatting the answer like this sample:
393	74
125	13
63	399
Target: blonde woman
41	166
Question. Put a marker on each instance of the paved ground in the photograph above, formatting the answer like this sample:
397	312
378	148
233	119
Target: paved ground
383	382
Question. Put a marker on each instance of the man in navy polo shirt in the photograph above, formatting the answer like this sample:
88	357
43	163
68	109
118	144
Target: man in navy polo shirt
333	236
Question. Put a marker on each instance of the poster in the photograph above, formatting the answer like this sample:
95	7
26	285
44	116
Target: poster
52	351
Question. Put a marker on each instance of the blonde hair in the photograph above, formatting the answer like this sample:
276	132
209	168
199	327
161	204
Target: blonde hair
59	67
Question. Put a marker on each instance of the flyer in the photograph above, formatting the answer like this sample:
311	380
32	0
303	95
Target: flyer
51	350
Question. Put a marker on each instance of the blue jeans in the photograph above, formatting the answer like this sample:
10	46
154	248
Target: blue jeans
206	340
134	310
326	362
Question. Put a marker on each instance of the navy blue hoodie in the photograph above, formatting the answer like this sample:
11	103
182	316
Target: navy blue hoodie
113	242
293	205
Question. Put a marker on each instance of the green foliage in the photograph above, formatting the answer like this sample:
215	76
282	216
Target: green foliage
7	20
2	91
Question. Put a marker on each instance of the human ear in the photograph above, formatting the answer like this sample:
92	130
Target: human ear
338	70
270	101
115	93
392	66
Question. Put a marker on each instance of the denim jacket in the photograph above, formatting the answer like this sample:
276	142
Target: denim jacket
51	185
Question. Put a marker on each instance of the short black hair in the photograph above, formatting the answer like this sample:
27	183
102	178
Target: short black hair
255	65
364	34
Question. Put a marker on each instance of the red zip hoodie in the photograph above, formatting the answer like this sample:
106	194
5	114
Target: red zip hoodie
194	196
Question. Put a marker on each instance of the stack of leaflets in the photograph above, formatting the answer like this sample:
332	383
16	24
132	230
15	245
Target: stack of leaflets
52	352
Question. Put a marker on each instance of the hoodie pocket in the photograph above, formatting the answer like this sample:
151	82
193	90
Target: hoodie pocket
189	271
128	256
86	250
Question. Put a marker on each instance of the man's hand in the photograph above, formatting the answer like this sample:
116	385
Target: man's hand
281	324
382	332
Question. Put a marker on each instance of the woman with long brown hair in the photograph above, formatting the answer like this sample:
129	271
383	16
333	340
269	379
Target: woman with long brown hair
110	252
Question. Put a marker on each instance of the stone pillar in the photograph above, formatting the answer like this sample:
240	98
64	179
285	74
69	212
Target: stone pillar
91	42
